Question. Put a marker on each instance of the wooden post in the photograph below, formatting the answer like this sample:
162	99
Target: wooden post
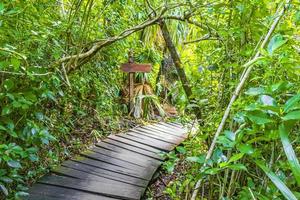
131	76
131	68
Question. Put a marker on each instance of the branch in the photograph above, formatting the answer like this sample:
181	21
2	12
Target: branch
15	53
102	43
205	37
24	74
249	66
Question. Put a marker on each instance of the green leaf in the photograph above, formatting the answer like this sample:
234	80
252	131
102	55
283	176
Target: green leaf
295	115
181	150
245	148
289	152
15	63
3	189
1	8
259	117
14	164
236	157
276	42
237	166
255	91
197	159
8	84
21	194
291	103
277	182
6	110
6	179
267	100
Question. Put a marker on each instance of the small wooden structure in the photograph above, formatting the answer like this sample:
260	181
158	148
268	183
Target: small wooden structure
131	68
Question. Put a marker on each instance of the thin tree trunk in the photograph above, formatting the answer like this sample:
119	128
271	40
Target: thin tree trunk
180	71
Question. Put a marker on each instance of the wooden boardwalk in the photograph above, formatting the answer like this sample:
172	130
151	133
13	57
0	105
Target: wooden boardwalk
119	167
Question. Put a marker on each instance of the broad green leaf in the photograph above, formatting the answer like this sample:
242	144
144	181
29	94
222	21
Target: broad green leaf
276	42
289	152
236	157
6	110
259	117
289	105
287	193
197	159
1	8
295	115
21	194
212	171
14	164
255	91
245	148
8	84
267	100
181	150
237	166
15	63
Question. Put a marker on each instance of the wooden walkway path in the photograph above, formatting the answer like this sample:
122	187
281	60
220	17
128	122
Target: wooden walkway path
119	167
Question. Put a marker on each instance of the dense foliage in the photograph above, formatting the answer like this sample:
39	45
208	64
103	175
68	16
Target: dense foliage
61	88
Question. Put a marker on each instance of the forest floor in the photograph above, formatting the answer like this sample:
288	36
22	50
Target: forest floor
162	180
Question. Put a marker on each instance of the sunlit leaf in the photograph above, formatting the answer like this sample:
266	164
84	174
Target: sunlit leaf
294	115
276	42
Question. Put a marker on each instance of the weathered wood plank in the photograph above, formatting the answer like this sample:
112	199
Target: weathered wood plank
91	175
120	147
164	131
50	192
110	172
160	133
180	133
127	155
111	188
102	165
166	125
121	163
136	144
155	135
134	67
163	146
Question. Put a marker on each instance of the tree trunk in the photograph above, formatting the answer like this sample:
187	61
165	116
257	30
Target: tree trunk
180	71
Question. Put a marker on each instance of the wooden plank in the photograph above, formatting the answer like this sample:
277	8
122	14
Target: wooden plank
49	192
89	175
127	155
184	129
111	160
102	165
119	146
149	142
113	189
180	133
134	67
165	125
136	144
165	134
168	132
149	137
107	171
156	135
